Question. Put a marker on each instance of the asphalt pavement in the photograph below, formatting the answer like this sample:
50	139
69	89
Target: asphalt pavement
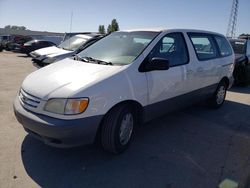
196	147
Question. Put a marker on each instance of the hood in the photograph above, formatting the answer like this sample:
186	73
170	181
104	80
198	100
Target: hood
51	50
66	77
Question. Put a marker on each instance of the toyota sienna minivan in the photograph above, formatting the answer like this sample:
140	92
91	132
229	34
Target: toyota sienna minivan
122	80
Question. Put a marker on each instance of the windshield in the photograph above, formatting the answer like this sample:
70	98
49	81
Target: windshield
30	42
119	47
73	43
239	47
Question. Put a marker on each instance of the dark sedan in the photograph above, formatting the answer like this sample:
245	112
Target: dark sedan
241	49
16	41
35	45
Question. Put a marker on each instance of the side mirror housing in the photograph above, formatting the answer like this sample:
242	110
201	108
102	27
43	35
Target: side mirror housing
156	63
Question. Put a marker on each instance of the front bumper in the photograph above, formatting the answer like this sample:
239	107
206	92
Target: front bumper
36	57
39	63
58	132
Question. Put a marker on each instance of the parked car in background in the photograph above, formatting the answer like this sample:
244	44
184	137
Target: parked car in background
4	40
69	35
124	79
72	46
55	39
241	49
35	45
16	41
1	46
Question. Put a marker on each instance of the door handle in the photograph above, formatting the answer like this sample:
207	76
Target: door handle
200	70
190	72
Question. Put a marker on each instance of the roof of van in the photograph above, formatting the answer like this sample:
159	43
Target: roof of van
173	30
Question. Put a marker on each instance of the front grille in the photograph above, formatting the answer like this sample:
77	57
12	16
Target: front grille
28	99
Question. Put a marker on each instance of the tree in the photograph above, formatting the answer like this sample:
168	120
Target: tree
15	27
22	28
114	25
101	29
7	27
109	29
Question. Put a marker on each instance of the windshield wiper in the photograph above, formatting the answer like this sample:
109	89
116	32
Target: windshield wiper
78	58
92	60
61	47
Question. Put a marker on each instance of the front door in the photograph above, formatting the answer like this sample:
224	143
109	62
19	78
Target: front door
165	87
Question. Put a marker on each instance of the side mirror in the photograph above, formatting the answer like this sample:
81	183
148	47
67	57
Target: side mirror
157	63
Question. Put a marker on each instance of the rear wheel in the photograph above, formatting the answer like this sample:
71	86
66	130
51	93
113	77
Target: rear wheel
219	96
117	129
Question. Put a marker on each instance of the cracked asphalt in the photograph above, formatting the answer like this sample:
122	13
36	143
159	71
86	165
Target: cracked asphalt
193	148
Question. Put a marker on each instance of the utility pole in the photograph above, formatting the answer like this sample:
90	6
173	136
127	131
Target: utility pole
231	29
71	16
70	27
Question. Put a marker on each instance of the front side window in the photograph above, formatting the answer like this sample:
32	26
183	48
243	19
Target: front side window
173	48
120	48
223	45
73	43
204	46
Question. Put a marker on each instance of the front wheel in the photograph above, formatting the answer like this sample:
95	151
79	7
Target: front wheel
219	96
117	129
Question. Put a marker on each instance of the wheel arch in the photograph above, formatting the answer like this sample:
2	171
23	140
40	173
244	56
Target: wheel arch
226	80
134	104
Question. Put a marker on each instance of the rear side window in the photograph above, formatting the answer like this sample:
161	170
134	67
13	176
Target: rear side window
224	47
204	46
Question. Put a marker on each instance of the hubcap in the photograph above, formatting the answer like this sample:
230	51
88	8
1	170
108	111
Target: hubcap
126	128
221	95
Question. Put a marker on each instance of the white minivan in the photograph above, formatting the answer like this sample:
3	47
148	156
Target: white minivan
122	80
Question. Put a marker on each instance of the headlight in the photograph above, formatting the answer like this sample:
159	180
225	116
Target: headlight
67	106
56	106
49	60
76	106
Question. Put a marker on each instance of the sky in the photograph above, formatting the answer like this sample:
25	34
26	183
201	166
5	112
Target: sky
54	15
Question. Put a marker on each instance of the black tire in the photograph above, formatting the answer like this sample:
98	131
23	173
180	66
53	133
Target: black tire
7	48
217	99
111	129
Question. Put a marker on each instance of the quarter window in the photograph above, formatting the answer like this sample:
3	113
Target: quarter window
204	46
173	48
223	45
